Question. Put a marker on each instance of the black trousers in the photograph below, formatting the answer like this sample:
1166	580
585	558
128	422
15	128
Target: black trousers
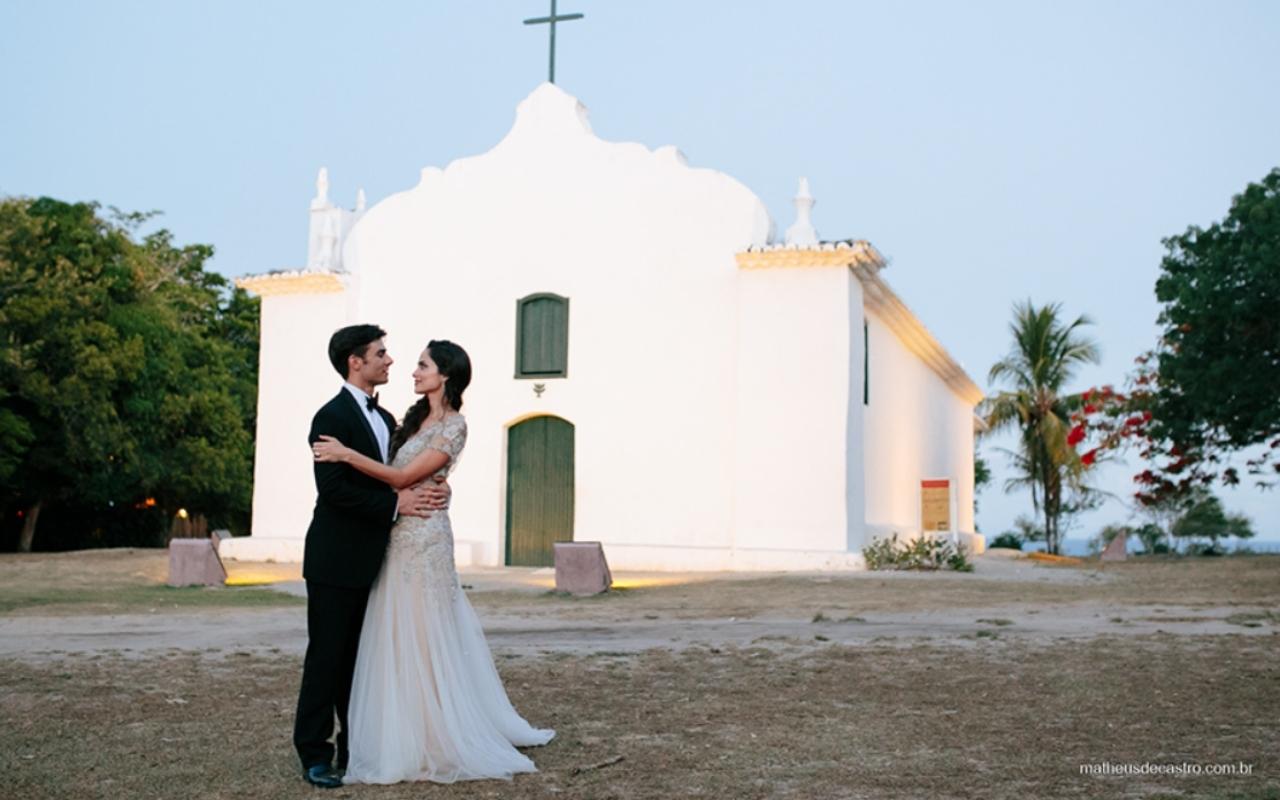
334	617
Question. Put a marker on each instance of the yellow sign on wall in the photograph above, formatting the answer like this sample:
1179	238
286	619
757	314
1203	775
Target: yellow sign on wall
935	505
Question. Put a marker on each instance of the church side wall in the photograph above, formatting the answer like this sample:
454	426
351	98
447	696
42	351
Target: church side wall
916	428
792	406
294	380
855	425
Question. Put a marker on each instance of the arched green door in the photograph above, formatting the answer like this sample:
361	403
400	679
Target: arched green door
539	490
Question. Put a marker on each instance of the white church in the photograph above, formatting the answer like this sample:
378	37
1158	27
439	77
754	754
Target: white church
653	369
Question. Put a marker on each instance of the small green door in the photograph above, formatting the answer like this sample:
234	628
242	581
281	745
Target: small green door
539	490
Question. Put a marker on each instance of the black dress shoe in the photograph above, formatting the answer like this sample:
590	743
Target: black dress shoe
322	775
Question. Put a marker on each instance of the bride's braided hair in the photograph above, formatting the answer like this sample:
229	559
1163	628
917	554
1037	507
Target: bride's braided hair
454	364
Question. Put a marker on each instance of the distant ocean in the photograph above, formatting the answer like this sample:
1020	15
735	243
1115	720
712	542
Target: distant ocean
1080	547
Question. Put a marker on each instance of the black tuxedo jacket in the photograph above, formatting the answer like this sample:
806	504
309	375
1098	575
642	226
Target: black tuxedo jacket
352	521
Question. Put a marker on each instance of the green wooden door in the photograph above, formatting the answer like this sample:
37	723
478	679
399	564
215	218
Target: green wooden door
539	490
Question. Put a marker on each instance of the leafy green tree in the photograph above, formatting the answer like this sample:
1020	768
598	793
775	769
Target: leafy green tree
15	437
1161	511
124	374
1205	518
1024	530
1218	363
1044	357
192	408
1152	537
1027	529
63	272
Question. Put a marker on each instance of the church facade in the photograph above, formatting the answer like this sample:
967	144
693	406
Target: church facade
651	370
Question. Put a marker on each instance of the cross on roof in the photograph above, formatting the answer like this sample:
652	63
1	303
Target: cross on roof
552	20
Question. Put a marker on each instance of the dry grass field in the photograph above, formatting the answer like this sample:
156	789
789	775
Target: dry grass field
984	711
111	582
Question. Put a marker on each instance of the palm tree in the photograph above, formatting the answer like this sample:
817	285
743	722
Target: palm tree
1044	356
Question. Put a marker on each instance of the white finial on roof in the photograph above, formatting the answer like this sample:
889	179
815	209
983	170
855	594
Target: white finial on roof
802	233
322	187
360	201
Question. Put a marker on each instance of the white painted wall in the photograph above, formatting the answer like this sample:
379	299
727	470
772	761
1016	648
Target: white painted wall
916	427
793	478
855	422
295	379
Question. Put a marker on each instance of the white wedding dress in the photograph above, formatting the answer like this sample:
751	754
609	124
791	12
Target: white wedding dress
426	701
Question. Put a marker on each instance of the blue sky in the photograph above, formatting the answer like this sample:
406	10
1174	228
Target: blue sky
993	151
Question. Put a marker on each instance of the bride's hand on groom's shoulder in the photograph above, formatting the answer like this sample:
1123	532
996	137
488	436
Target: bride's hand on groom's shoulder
329	449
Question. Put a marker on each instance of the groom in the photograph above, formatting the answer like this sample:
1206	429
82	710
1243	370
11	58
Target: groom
345	545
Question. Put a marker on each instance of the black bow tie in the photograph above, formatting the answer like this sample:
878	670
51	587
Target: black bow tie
371	403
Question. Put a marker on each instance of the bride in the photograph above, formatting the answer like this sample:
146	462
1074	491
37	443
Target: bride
426	700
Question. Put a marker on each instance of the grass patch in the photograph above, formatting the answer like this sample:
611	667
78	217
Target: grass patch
119	581
143	598
1253	619
1252	581
995	621
1176	619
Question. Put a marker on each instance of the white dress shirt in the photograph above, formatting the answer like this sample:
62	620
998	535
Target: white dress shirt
379	425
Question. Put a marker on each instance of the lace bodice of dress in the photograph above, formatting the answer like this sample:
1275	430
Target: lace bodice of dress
448	435
425	546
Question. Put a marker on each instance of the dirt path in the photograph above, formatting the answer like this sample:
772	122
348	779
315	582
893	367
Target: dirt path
1007	598
223	632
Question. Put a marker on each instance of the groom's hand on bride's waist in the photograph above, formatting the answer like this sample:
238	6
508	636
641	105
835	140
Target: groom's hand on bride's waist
437	492
414	502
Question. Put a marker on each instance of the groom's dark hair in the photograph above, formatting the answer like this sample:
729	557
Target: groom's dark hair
353	340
